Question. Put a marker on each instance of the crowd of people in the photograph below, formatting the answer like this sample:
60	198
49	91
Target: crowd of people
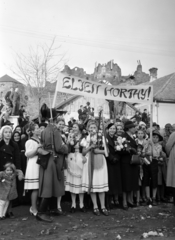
108	164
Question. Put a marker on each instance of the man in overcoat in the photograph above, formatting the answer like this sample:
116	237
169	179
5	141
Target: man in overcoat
51	179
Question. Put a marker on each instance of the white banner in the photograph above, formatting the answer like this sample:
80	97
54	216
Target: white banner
80	86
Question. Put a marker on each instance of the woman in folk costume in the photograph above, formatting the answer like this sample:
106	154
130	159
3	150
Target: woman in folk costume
129	173
31	182
51	179
75	161
95	174
170	149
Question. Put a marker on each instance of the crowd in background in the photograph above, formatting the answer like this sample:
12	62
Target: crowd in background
115	159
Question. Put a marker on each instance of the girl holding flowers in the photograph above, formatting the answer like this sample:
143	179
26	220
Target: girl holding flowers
95	174
75	161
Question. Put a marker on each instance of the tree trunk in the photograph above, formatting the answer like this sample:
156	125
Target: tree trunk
39	115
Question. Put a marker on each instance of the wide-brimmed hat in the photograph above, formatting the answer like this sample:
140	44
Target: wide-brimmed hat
154	124
168	125
128	125
157	133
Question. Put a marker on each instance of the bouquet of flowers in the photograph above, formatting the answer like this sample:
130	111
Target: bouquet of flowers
73	139
97	139
122	144
93	138
100	139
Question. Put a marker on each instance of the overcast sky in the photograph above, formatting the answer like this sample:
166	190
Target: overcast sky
92	31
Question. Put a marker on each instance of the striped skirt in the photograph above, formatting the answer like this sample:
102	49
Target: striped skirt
100	176
32	174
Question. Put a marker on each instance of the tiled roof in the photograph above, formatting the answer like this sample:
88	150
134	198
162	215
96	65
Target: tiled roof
164	88
7	78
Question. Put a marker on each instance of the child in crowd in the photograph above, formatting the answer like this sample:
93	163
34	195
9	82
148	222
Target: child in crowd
8	189
154	151
142	144
139	153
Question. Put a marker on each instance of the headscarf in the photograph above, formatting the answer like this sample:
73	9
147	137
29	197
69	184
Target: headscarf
3	128
14	135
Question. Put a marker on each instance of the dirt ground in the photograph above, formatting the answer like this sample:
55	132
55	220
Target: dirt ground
129	224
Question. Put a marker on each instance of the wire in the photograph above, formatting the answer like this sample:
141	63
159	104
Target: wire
90	43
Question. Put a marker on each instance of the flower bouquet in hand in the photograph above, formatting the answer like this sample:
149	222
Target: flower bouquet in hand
147	159
93	138
122	144
100	140
161	158
72	139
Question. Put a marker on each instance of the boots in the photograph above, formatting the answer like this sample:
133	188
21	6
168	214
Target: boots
108	202
41	215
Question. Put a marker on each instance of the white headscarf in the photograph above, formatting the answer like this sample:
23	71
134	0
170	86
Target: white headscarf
2	130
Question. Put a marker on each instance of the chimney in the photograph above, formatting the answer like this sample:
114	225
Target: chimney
153	74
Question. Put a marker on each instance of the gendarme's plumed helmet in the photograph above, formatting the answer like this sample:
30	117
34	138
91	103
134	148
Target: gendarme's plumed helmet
45	112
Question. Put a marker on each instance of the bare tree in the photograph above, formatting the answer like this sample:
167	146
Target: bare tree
39	66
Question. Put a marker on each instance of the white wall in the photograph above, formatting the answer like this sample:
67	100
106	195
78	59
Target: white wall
72	107
164	113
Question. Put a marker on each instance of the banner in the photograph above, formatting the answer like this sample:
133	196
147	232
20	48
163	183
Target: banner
79	86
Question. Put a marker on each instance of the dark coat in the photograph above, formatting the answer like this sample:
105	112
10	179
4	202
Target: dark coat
7	187
51	180
8	96
1	107
16	103
22	121
9	153
80	113
114	169
130	173
144	117
23	162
